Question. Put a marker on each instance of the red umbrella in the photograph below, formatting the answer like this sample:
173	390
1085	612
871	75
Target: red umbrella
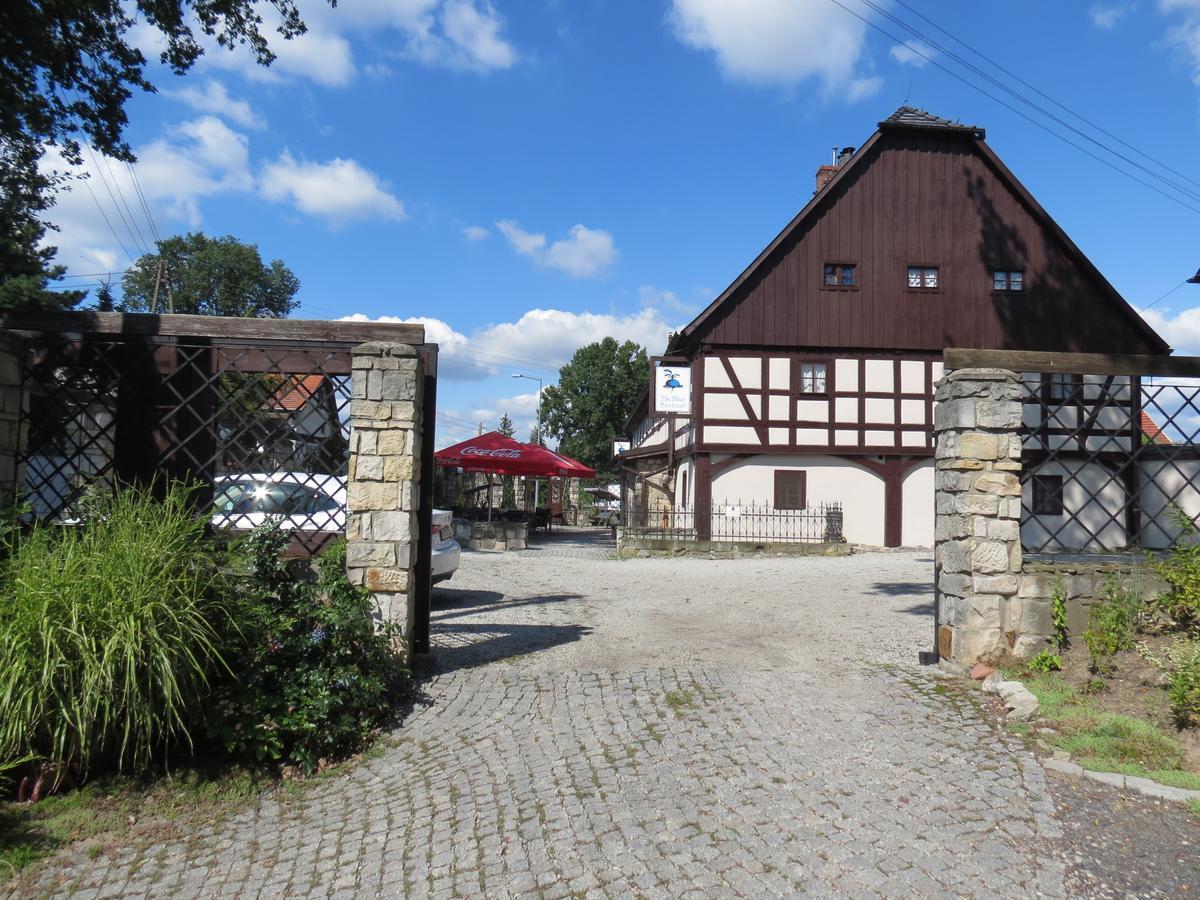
493	452
573	467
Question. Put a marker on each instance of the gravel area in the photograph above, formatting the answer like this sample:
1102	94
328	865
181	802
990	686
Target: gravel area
812	614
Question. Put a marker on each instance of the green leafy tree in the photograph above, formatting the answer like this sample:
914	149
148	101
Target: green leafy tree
595	393
212	277
67	69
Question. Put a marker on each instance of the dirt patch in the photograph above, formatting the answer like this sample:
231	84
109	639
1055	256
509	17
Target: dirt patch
1132	689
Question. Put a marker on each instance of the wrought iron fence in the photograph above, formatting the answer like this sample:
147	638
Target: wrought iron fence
1110	462
738	522
262	427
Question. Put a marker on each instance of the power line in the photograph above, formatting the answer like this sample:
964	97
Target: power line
1165	296
121	243
112	197
1022	99
1045	96
1013	109
137	183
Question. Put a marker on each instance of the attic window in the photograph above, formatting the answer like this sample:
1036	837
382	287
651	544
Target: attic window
839	275
1008	280
922	277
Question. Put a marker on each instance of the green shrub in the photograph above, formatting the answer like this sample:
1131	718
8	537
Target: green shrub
107	635
1181	570
1180	667
1112	624
1058	616
1045	662
314	676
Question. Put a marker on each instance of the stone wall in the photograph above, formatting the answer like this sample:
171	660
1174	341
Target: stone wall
631	546
491	535
977	536
993	600
381	531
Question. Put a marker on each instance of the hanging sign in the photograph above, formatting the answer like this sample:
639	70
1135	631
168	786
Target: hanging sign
672	387
619	447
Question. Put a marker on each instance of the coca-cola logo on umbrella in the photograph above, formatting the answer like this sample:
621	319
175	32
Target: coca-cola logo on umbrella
498	453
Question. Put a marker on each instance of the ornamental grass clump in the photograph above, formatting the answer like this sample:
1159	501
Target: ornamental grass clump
109	635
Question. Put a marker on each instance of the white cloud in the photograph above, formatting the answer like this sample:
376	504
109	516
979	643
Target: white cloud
913	53
1107	15
199	158
1181	331
775	41
1185	34
340	190
475	32
475	233
583	253
214	98
542	338
862	88
660	298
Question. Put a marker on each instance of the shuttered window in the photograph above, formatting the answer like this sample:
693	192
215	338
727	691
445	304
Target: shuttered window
791	490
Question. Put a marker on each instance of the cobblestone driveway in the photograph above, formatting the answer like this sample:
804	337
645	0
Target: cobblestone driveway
526	772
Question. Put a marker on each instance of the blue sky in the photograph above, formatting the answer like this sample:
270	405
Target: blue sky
526	177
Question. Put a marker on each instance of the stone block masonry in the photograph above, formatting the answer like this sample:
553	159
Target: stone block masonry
382	489
977	538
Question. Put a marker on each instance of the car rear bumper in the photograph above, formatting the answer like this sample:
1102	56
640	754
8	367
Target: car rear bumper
444	562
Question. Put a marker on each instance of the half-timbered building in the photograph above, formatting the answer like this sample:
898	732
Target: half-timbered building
812	374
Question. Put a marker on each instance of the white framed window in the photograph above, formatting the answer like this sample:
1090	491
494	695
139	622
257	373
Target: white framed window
812	378
923	277
1008	280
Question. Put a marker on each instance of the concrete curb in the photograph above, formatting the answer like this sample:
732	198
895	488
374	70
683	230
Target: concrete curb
1129	782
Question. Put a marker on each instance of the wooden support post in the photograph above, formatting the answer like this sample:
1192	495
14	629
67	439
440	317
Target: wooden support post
703	509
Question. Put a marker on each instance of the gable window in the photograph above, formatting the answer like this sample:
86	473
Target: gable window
791	489
812	378
839	275
1047	495
922	277
1008	280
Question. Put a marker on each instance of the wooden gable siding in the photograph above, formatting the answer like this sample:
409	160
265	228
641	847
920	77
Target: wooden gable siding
926	200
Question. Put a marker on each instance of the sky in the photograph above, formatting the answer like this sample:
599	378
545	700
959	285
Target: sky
527	176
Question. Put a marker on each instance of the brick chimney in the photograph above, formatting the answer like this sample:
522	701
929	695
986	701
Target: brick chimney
825	173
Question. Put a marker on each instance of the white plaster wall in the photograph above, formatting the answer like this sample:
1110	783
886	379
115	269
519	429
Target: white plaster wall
780	373
880	376
730	434
829	480
715	374
916	528
1093	504
723	406
1161	484
845	374
748	371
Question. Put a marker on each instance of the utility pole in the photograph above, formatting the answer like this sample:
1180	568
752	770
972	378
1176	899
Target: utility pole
157	281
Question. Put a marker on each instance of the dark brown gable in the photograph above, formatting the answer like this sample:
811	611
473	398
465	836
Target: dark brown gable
930	197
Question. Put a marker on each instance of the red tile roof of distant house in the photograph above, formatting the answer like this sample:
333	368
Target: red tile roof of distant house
294	393
1152	431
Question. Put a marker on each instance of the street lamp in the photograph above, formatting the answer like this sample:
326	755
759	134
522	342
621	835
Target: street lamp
536	483
541	440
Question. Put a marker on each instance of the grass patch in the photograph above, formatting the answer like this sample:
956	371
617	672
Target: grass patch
114	811
1108	742
1194	806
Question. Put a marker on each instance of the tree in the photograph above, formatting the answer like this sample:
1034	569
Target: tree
595	394
508	498
211	277
67	69
26	266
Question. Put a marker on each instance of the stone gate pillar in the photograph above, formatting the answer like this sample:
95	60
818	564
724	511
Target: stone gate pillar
381	531
977	536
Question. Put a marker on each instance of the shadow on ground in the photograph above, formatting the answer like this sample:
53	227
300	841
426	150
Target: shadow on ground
462	646
901	588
